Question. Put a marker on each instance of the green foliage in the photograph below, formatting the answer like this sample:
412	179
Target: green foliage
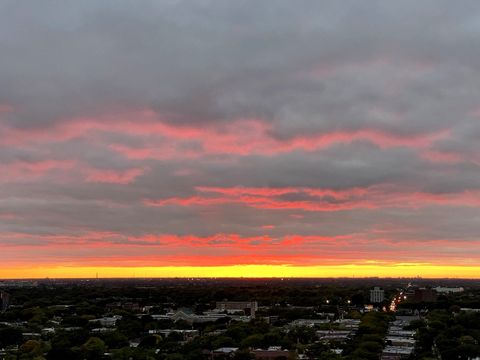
128	353
456	336
35	316
223	341
368	343
94	348
33	349
255	341
115	340
175	356
302	334
130	326
317	349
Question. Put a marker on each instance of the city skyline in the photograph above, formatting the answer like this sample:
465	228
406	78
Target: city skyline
239	139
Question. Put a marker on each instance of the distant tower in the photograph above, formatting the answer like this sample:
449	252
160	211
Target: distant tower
377	295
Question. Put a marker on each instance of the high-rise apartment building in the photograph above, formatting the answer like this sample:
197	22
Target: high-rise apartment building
377	295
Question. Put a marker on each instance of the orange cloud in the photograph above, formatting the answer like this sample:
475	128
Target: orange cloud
114	249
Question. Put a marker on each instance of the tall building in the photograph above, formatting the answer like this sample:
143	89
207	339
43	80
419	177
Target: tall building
421	295
4	301
377	295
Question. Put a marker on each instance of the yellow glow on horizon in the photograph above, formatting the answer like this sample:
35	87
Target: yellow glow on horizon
246	271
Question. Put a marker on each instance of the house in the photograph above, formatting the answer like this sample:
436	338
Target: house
274	353
223	352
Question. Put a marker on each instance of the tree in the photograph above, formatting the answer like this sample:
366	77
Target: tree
128	353
130	326
302	334
125	353
255	340
175	356
94	348
33	349
329	355
115	340
223	341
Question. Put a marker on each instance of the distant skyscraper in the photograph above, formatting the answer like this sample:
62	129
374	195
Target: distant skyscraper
377	295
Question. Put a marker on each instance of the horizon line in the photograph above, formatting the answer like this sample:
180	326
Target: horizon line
241	278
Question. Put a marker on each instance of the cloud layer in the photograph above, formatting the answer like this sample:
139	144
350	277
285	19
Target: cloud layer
179	133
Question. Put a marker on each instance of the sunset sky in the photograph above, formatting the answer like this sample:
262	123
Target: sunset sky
239	138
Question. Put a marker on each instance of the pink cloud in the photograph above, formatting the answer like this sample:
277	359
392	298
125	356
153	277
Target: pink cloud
269	192
239	137
31	171
441	156
239	190
188	201
268	227
374	197
27	171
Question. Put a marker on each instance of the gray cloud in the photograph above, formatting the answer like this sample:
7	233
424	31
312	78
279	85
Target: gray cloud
301	69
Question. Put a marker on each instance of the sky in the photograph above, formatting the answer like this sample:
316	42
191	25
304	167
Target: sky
239	138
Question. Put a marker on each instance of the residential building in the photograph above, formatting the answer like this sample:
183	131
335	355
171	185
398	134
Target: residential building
273	353
224	352
248	307
377	295
107	321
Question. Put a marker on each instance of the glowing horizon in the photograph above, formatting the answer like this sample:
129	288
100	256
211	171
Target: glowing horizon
247	271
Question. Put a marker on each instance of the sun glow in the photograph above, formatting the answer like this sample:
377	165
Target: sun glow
245	271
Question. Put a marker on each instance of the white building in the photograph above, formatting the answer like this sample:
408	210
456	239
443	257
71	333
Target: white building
448	290
377	295
194	318
107	321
